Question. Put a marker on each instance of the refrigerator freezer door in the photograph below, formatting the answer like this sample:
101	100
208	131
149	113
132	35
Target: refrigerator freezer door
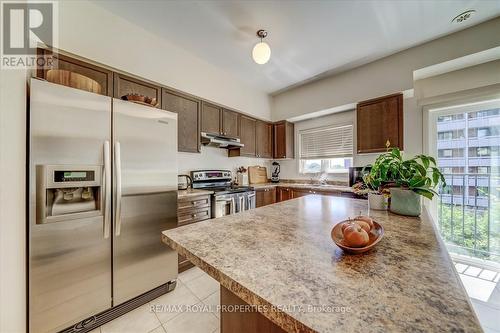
145	156
69	260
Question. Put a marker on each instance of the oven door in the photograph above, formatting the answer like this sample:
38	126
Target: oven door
245	201
223	205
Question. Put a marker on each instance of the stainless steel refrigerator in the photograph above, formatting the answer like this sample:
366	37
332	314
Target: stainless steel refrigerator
102	187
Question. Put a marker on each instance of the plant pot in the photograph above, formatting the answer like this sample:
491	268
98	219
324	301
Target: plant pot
378	201
405	202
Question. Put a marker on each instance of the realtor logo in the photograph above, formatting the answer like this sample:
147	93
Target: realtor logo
26	26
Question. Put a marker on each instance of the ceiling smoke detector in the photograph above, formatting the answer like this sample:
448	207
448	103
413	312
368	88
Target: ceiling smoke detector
463	16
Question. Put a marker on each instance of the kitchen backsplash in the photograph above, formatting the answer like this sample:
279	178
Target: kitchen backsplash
216	158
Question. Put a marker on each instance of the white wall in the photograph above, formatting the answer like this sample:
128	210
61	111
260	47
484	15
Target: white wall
216	158
384	76
412	120
94	33
12	200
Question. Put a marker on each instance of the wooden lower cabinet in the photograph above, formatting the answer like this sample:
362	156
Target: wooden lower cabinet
243	321
283	194
265	196
191	210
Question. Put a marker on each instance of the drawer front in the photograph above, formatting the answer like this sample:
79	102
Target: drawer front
193	202
193	215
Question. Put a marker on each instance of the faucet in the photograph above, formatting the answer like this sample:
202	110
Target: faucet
323	178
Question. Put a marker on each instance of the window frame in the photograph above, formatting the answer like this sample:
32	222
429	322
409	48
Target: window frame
299	167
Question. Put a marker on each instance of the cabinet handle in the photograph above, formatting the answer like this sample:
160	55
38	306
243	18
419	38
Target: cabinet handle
194	215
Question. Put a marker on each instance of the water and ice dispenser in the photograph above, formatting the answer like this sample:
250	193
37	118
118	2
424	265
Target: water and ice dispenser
68	192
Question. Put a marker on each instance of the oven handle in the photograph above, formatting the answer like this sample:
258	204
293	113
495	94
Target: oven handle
232	205
249	199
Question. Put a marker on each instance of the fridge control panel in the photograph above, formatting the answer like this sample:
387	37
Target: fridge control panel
68	192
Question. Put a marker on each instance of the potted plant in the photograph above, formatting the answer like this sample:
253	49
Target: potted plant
374	181
407	180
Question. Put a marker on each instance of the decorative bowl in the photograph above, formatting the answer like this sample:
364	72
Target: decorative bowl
375	235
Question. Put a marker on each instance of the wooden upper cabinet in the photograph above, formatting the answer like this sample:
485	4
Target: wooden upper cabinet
188	119
378	121
230	123
211	118
124	85
102	76
283	140
247	136
264	144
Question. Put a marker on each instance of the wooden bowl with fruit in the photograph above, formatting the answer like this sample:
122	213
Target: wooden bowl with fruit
357	235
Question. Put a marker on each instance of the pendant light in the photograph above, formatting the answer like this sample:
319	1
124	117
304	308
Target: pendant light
261	51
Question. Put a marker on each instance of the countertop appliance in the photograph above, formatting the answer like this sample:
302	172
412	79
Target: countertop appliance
227	198
355	174
102	187
275	176
183	182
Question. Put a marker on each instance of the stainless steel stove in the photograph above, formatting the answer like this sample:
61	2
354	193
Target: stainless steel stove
227	198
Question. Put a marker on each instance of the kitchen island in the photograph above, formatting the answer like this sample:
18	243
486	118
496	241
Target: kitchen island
281	260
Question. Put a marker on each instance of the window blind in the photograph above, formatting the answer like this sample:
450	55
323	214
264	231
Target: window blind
326	142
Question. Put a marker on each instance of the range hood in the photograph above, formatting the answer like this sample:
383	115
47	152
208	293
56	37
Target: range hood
220	141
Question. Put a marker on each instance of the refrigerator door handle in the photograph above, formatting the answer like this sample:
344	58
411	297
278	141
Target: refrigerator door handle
118	210
107	188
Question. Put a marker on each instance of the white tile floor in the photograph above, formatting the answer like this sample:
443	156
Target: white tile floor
483	288
190	308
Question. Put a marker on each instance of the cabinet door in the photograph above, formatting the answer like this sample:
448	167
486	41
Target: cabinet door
102	76
124	85
300	193
269	196
283	140
264	133
378	121
188	119
211	119
264	197
283	194
247	136
230	123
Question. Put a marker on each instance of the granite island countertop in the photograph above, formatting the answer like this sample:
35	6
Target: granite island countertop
281	257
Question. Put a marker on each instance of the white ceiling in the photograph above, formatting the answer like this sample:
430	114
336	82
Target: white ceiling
307	38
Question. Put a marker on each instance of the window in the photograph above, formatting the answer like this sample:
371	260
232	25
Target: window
456	152
484	113
326	149
450	117
449	135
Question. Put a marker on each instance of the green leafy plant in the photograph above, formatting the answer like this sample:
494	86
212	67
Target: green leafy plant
419	174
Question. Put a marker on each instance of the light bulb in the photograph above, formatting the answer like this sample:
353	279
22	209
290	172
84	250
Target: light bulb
261	53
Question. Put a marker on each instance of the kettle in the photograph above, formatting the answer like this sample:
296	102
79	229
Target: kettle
183	182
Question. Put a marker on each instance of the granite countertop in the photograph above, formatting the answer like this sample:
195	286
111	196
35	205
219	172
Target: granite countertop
316	187
192	192
281	257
